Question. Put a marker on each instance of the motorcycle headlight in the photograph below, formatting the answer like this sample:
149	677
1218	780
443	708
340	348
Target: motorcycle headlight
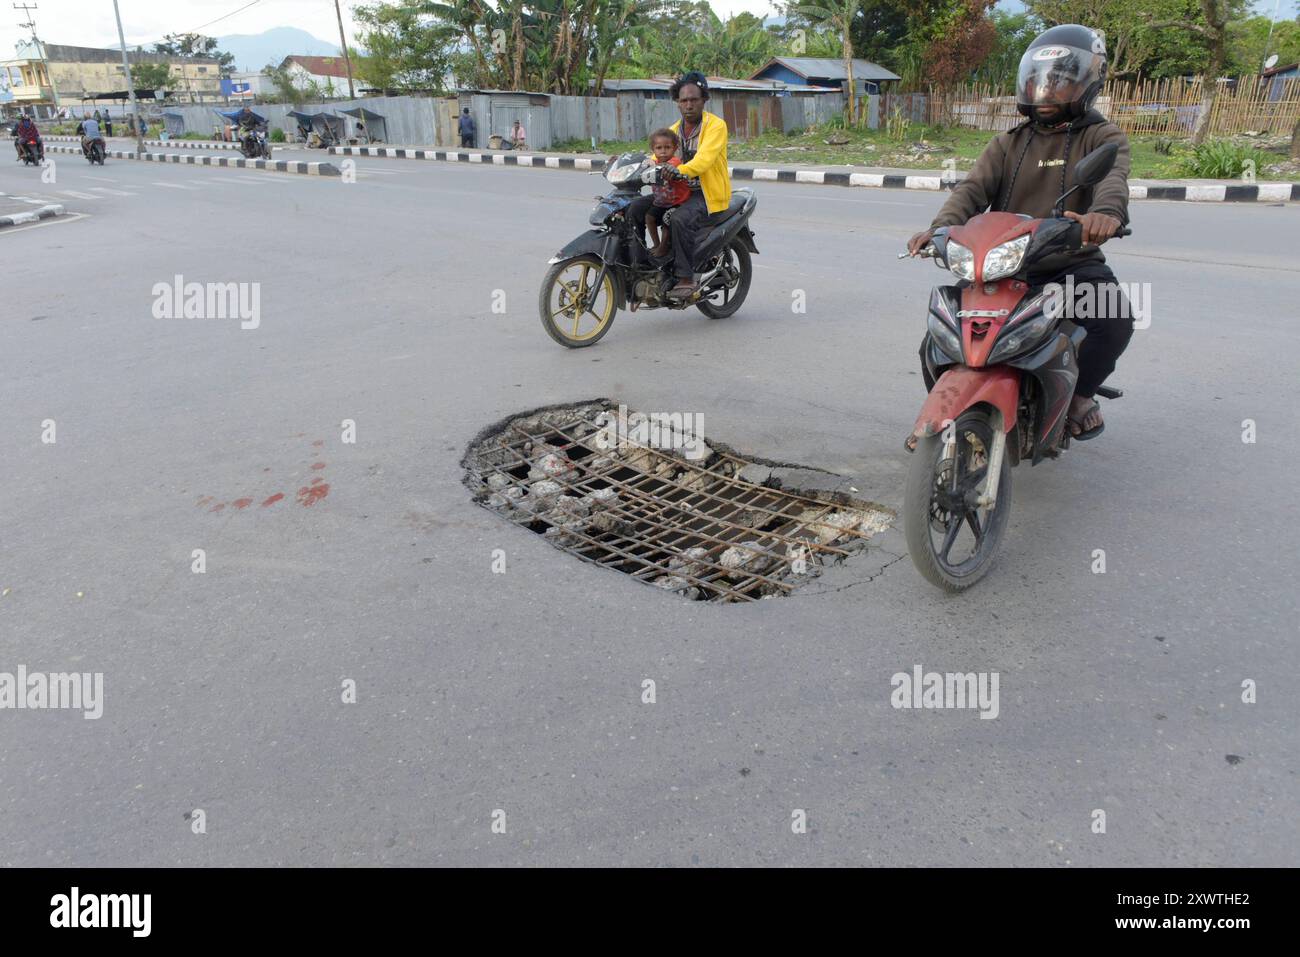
1005	260
1017	337
961	261
621	174
945	337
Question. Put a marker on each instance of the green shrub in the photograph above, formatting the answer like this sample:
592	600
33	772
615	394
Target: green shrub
1222	159
1164	145
277	135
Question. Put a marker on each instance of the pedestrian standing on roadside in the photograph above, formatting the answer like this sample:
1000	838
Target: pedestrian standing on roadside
468	131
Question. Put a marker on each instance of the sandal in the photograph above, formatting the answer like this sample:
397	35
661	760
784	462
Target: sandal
1084	436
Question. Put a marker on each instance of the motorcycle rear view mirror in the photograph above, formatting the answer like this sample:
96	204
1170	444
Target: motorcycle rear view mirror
1091	170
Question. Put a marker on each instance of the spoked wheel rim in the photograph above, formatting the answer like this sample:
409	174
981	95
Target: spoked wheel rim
961	533
578	311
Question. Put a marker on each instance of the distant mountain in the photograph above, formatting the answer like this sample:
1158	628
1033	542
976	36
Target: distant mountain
254	51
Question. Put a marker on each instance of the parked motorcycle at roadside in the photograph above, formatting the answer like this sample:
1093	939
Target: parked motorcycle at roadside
999	360
609	266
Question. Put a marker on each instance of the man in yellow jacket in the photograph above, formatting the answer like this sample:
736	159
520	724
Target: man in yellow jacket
703	151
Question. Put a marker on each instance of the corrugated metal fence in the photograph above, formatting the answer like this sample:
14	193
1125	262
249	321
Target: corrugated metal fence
417	120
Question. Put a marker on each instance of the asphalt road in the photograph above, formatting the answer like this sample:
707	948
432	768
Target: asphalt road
521	691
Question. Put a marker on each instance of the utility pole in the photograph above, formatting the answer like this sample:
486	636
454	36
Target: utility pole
40	50
347	60
1269	39
130	84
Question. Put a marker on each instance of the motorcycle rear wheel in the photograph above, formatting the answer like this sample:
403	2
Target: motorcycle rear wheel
731	297
571	300
934	502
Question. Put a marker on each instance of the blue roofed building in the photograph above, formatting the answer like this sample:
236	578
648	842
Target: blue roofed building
868	77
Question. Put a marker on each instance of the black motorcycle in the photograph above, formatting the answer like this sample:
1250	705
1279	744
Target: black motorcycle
609	266
94	152
31	154
254	145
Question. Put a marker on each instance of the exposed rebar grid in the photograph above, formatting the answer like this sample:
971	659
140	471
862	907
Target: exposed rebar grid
690	525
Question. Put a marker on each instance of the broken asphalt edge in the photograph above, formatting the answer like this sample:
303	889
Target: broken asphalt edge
1271	192
791	477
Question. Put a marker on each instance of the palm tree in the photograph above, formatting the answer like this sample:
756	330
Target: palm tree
837	15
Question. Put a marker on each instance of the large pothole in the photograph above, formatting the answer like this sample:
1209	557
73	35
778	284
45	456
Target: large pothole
648	496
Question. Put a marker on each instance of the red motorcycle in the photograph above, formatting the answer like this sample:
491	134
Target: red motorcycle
999	360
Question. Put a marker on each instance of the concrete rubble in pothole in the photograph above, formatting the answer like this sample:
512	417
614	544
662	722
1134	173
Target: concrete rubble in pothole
611	503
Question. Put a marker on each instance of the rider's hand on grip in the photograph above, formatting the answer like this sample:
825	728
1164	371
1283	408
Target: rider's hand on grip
1095	228
919	241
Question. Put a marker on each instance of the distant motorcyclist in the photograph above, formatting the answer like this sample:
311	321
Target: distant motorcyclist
26	132
249	124
88	129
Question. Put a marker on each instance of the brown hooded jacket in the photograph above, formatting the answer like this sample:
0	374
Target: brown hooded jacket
1025	169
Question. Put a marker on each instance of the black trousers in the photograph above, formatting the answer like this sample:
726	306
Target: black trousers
1100	306
690	222
467	140
636	213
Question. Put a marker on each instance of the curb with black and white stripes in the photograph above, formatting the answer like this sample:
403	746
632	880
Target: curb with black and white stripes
1196	193
18	219
175	144
238	162
196	144
459	156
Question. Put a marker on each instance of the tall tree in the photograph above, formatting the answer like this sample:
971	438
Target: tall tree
196	45
838	15
406	49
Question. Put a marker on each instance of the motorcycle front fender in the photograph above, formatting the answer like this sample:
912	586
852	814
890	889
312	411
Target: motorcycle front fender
961	387
595	242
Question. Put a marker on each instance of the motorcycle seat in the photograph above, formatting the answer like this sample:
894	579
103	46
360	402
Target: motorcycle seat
738	200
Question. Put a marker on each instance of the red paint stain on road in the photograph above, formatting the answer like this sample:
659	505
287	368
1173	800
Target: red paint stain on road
309	495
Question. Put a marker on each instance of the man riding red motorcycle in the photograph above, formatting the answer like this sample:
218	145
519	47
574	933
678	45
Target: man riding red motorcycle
1017	348
27	135
1025	169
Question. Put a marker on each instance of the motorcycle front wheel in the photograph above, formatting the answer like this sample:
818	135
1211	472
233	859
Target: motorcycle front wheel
574	313
736	271
951	540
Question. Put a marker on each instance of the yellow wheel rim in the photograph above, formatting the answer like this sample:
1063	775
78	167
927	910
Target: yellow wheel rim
577	311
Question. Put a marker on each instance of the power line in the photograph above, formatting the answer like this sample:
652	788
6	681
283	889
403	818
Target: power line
219	19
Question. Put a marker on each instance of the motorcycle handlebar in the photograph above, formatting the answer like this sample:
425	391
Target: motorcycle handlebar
1075	239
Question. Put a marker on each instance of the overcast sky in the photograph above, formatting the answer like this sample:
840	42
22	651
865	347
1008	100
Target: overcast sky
90	22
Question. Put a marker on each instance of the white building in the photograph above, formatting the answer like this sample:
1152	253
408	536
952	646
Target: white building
329	73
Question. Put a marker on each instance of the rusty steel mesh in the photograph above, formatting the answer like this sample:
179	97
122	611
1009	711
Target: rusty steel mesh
694	527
